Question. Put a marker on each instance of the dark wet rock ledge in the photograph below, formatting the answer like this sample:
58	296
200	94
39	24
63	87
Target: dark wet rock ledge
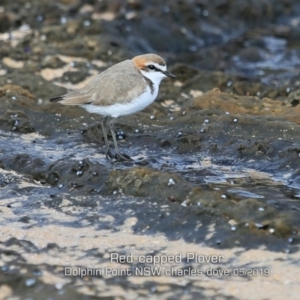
216	159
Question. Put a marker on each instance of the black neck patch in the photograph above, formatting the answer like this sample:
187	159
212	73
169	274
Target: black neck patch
150	83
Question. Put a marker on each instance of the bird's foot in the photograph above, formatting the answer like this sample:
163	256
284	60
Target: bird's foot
122	157
109	155
117	156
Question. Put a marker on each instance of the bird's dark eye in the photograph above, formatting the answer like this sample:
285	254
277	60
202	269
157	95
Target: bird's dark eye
151	67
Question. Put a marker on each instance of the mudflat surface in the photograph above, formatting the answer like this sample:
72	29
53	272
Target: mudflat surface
210	205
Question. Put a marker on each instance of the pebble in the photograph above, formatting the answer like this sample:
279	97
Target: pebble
63	20
166	9
171	182
205	13
30	282
229	83
87	23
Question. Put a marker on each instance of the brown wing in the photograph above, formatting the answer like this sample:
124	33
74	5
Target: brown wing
122	82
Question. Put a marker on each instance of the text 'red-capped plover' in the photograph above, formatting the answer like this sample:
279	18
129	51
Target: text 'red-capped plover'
123	89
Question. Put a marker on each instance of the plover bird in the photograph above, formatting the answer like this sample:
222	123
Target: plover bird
123	89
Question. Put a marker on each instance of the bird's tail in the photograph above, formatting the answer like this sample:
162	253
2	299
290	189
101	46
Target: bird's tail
56	99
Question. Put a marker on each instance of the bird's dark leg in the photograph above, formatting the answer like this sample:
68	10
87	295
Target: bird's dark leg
104	132
118	155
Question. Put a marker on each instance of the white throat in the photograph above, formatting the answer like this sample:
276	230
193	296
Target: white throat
155	76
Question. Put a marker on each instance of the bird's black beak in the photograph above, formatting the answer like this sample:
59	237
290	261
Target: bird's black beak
167	73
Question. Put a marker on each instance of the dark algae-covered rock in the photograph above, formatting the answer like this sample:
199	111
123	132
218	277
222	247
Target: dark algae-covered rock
209	205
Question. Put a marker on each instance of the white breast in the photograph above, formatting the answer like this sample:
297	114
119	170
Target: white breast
117	109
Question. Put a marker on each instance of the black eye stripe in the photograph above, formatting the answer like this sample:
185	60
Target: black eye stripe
152	67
